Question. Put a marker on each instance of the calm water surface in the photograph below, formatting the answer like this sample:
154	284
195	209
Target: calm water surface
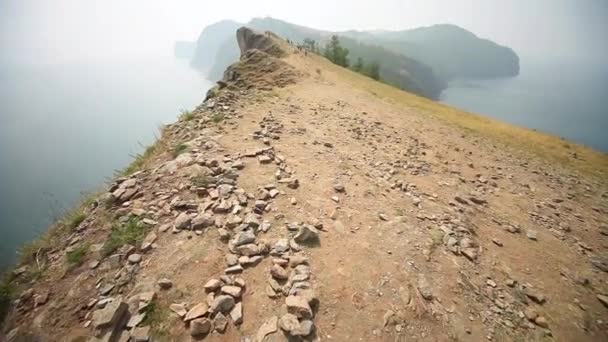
566	100
65	129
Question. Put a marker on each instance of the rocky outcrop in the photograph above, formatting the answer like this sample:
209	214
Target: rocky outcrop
249	39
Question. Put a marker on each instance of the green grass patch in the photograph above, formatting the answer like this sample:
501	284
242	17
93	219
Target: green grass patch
74	219
158	318
217	117
128	233
179	149
186	115
76	256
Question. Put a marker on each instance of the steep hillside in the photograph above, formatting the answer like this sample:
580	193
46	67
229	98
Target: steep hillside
304	202
451	51
209	42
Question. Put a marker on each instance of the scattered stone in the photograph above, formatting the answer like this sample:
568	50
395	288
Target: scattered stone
234	291
200	326
535	295
199	310
236	314
41	298
603	299
264	159
134	258
278	272
298	306
223	303
530	314
424	288
140	334
202	221
179	309
289	323
307	234
111	314
497	242
269	327
212	285
339	188
383	217
234	269
541	322
220	323
182	221
243	238
146	245
531	234
165	283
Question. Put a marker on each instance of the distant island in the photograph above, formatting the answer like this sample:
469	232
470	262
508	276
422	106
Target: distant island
184	49
421	60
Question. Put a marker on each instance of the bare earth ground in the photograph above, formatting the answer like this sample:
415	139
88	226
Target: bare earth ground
440	234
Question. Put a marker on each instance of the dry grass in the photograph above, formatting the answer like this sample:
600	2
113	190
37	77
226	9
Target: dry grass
551	148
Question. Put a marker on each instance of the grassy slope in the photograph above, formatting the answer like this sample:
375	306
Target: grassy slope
545	146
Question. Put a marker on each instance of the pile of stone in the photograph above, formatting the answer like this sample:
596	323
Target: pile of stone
223	304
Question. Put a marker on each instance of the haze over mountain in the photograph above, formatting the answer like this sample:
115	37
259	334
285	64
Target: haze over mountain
419	60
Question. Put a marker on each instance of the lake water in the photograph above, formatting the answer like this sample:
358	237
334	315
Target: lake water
566	100
65	129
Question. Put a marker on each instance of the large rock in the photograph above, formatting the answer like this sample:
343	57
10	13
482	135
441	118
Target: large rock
298	306
202	221
182	221
199	310
249	39
244	237
236	314
223	303
307	234
200	326
111	314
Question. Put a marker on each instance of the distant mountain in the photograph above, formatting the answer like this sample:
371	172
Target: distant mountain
452	52
184	49
420	60
210	41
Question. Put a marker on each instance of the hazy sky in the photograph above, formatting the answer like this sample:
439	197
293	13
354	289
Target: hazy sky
65	30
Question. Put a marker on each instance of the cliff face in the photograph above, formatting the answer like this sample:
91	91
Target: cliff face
210	41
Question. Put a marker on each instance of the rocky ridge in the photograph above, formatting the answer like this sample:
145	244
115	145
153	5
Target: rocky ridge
303	209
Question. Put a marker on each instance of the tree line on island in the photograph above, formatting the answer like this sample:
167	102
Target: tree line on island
338	54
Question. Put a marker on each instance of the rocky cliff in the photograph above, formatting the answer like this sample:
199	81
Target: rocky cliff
305	202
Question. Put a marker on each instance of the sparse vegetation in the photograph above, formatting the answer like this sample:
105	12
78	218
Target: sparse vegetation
186	115
75	219
202	181
158	318
131	232
179	149
139	160
6	296
76	256
217	117
336	53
